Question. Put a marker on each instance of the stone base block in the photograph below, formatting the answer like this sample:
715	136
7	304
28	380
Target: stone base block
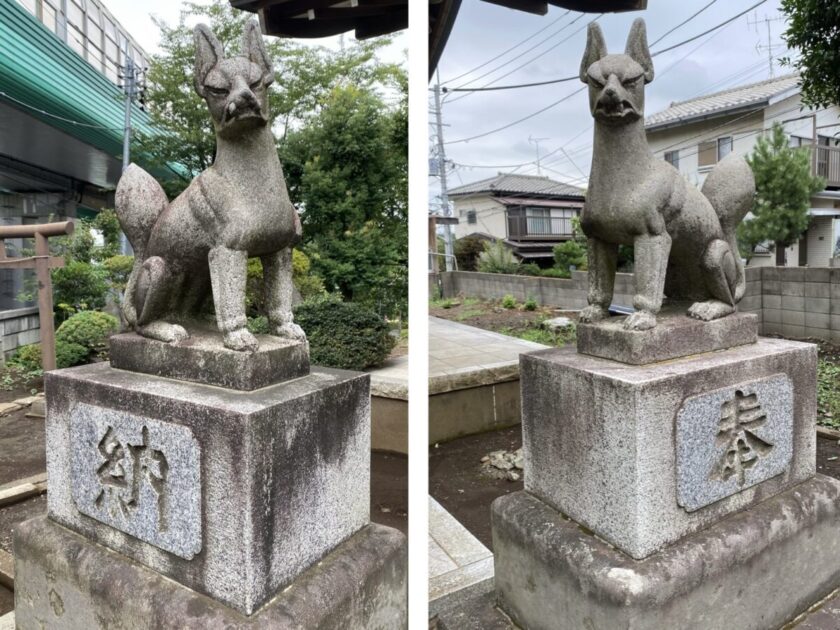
675	335
754	570
63	581
203	358
643	455
232	494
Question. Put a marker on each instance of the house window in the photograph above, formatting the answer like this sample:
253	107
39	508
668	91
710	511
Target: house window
537	221
707	153
673	158
471	218
711	152
48	16
30	6
724	147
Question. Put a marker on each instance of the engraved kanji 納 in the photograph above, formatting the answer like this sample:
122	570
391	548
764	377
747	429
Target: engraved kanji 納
739	418
124	469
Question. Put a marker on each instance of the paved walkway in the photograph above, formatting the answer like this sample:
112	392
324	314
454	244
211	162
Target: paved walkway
462	356
390	380
459	565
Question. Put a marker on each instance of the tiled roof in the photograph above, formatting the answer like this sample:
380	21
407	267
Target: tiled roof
519	184
719	103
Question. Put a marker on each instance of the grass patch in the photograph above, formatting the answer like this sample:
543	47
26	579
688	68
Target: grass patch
538	334
476	312
828	393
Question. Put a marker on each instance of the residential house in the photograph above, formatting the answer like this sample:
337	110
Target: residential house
530	213
694	135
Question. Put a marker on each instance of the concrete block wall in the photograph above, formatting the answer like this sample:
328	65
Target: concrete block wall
19	327
566	293
796	302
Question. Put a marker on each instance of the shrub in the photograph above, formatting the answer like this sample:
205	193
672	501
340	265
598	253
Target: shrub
529	269
554	272
497	258
117	270
509	301
258	325
344	334
467	251
28	358
570	254
79	286
308	284
530	304
88	329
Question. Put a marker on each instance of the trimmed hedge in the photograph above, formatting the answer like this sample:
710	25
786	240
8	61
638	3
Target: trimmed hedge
343	334
89	329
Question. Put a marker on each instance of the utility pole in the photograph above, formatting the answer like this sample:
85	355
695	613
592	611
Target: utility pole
132	86
444	195
769	46
536	141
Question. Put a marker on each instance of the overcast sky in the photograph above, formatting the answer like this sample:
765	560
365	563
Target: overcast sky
725	58
136	17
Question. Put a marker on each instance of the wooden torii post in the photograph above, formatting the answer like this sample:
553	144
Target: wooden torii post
41	262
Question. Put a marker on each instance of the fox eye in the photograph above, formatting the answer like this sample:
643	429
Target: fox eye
217	91
256	85
630	82
595	82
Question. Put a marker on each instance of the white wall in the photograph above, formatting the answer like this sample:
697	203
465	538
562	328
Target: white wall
490	216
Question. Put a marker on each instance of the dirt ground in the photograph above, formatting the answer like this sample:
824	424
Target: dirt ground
458	484
492	316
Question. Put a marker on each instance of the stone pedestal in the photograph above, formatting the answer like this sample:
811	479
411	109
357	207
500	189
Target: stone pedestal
672	494
235	495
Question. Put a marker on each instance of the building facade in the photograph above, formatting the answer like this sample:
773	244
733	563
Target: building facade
694	135
529	213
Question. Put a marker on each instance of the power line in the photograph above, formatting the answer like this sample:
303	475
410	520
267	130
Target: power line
502	54
530	61
576	77
56	117
683	23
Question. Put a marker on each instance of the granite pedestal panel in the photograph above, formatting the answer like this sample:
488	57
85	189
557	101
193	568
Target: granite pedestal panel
232	494
754	570
66	582
644	455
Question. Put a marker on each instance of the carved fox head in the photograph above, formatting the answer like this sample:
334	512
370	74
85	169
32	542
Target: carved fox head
617	82
236	89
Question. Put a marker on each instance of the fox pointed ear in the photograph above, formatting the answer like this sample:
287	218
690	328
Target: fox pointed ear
596	48
208	53
254	49
637	48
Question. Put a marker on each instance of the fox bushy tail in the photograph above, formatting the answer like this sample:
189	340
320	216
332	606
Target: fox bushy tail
139	202
730	188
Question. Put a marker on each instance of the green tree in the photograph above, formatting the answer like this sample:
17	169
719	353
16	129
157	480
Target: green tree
813	32
304	75
347	170
784	186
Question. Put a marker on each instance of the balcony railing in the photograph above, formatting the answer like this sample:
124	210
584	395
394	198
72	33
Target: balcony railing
539	228
827	164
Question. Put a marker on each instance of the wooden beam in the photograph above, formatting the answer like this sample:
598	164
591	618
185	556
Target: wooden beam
20	492
45	301
28	231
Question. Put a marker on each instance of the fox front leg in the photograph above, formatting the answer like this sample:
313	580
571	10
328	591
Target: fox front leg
228	274
650	263
278	287
603	258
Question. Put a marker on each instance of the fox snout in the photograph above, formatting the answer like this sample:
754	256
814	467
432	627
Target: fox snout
242	102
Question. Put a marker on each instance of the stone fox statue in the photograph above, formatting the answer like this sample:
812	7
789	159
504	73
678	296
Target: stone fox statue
684	239
237	208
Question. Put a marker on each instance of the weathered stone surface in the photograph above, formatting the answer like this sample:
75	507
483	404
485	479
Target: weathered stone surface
675	335
199	244
684	239
600	437
285	471
733	438
753	570
66	582
139	475
203	358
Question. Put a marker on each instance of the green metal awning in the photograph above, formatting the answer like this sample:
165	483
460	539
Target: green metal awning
43	77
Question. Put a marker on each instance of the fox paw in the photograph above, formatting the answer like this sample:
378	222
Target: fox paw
290	330
163	331
640	320
593	313
712	309
241	340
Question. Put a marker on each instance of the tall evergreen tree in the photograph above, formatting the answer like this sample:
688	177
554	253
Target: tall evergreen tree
784	185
